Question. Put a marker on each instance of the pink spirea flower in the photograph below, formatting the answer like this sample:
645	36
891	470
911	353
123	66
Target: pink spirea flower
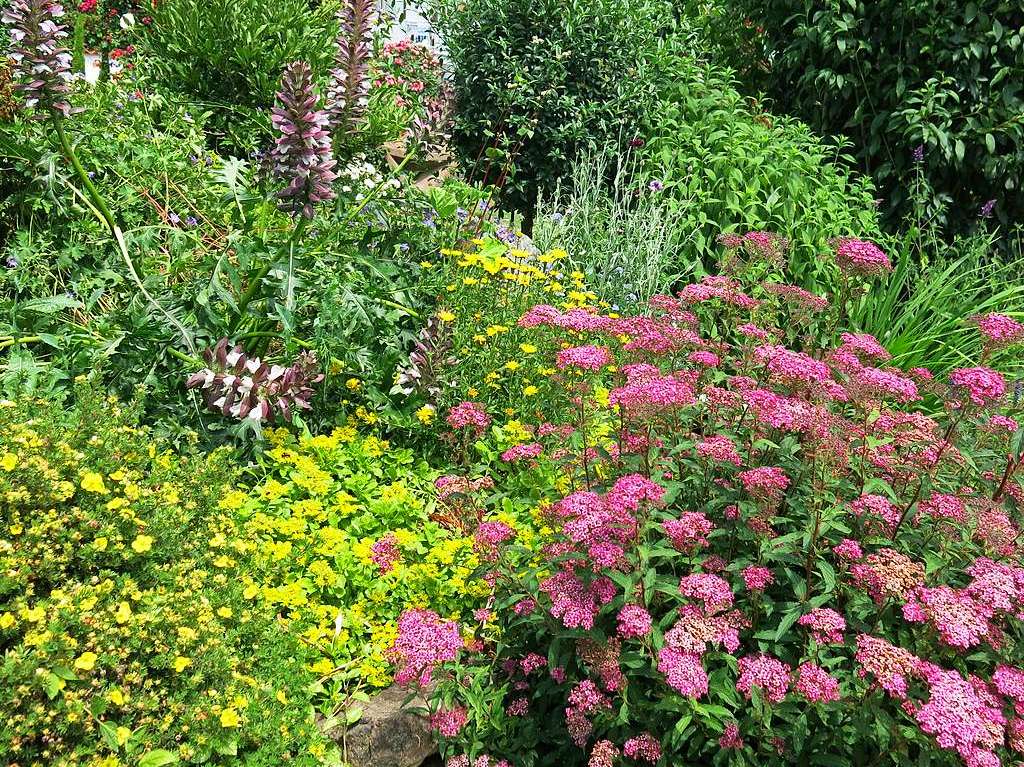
423	640
696	628
798	297
849	550
643	748
750	330
449	721
764	481
891	666
522	452
960	621
489	536
861	258
982	385
384	553
864	344
574	602
587	698
961	716
705	359
877	507
471	415
1002	423
683	672
518	707
763	671
689	532
757	578
719	448
790	367
532	662
1009	681
943	506
999	330
731	737
868	383
587	357
815	684
634	622
710	589
826	625
603	754
644	395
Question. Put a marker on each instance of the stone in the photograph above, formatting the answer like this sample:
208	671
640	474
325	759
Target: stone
388	734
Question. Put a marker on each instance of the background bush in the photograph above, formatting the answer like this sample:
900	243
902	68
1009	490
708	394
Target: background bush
228	55
740	168
894	75
537	81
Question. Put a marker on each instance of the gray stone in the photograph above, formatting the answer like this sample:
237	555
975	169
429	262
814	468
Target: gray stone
388	734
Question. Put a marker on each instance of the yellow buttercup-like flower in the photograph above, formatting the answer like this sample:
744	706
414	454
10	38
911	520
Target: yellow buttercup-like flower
142	544
229	718
93	483
86	661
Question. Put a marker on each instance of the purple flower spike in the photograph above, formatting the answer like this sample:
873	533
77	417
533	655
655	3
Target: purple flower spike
248	388
349	91
41	63
302	156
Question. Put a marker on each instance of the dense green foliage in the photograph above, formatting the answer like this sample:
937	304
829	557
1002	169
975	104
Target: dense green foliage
740	168
227	55
893	76
537	82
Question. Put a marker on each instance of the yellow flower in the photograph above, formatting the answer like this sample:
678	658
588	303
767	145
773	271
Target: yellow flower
7	620
116	697
425	414
224	612
93	482
426	264
353	384
123	734
142	544
528	348
281	698
229	718
124	613
251	591
8	462
530	390
181	663
86	661
445	316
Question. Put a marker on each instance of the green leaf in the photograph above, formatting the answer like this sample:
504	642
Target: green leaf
990	142
109	734
158	758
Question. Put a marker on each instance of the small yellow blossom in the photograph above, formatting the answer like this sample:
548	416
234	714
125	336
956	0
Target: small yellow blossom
445	316
425	414
124	613
86	661
224	612
181	663
9	462
142	544
353	384
229	718
116	697
93	482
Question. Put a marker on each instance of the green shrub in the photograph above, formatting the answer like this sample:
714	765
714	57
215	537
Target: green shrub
228	55
743	169
895	75
126	629
536	81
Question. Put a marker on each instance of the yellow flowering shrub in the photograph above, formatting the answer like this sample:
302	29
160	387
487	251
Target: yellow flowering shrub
313	521
126	637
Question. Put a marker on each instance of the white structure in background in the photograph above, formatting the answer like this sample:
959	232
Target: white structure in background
409	23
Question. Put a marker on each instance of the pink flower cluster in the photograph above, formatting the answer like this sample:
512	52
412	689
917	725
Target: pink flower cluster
584	358
816	684
719	448
423	641
999	330
757	578
826	625
791	368
384	553
689	532
634	622
643	748
861	258
522	452
764	481
469	415
770	674
449	721
983	386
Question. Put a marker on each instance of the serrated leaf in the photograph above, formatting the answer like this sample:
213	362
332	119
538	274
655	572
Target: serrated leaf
158	758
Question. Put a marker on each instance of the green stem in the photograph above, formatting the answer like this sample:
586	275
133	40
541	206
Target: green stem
263	271
185	357
22	340
108	218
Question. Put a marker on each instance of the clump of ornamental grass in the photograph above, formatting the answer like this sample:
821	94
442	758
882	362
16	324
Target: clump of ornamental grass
302	154
758	541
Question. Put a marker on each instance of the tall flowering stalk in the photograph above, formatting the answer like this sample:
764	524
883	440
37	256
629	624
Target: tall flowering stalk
41	63
349	92
302	156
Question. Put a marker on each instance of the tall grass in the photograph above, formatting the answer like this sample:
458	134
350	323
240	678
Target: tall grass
920	313
629	240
